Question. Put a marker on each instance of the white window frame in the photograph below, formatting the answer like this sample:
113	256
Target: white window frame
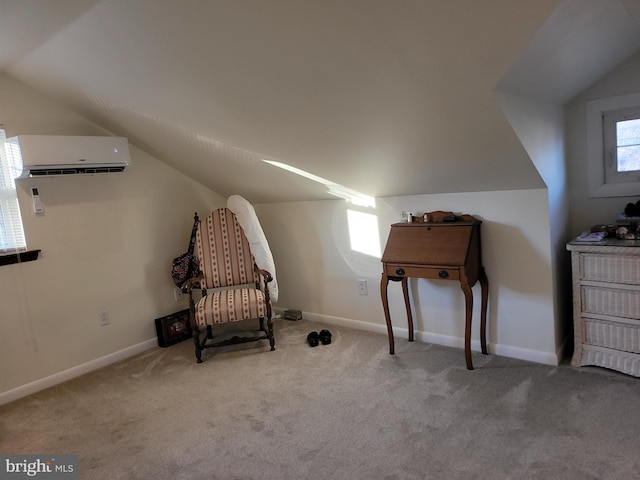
12	239
601	184
610	139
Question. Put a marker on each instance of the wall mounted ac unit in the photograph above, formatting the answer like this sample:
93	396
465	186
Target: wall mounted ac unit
53	155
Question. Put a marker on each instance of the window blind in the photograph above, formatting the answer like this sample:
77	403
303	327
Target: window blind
11	230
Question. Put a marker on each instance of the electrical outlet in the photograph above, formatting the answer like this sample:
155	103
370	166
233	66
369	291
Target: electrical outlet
362	287
177	294
103	317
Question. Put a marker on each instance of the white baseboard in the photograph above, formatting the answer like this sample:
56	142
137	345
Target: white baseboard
547	358
537	356
57	378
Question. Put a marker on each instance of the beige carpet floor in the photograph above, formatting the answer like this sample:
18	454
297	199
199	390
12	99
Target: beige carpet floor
348	410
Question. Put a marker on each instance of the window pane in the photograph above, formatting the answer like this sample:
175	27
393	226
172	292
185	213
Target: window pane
629	159
628	145
628	132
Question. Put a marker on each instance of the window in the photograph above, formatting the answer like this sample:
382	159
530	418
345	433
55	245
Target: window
11	231
613	146
621	130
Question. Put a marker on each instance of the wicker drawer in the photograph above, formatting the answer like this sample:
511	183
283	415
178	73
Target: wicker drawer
619	336
610	268
611	301
625	362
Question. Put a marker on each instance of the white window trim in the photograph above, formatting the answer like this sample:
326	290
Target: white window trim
595	147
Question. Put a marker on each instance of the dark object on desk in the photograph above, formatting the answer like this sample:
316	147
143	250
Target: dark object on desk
173	328
609	230
632	209
440	216
437	250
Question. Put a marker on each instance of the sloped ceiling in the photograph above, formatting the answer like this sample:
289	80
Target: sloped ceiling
384	97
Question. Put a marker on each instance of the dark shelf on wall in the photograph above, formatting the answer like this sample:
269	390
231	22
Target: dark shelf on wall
20	257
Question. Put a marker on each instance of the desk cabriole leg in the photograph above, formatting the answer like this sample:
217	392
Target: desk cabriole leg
407	304
484	285
384	282
468	300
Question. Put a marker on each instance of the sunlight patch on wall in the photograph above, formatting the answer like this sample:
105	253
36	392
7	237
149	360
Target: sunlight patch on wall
363	233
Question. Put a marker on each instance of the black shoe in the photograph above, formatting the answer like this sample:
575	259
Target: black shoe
325	337
312	338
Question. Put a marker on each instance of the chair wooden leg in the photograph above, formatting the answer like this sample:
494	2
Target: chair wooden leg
272	340
209	332
195	328
196	343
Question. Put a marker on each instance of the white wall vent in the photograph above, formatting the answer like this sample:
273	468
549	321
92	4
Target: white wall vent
58	155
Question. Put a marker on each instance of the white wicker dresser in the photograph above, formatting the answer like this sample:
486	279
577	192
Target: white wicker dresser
606	304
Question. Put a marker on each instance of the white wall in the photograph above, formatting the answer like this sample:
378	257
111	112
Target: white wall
107	243
585	211
317	270
540	127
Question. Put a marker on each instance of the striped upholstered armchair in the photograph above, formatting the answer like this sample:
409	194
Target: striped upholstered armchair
233	288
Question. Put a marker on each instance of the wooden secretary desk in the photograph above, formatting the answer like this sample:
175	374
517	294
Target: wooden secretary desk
445	250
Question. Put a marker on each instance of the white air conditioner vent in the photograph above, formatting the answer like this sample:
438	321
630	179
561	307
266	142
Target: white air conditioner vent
51	172
53	155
